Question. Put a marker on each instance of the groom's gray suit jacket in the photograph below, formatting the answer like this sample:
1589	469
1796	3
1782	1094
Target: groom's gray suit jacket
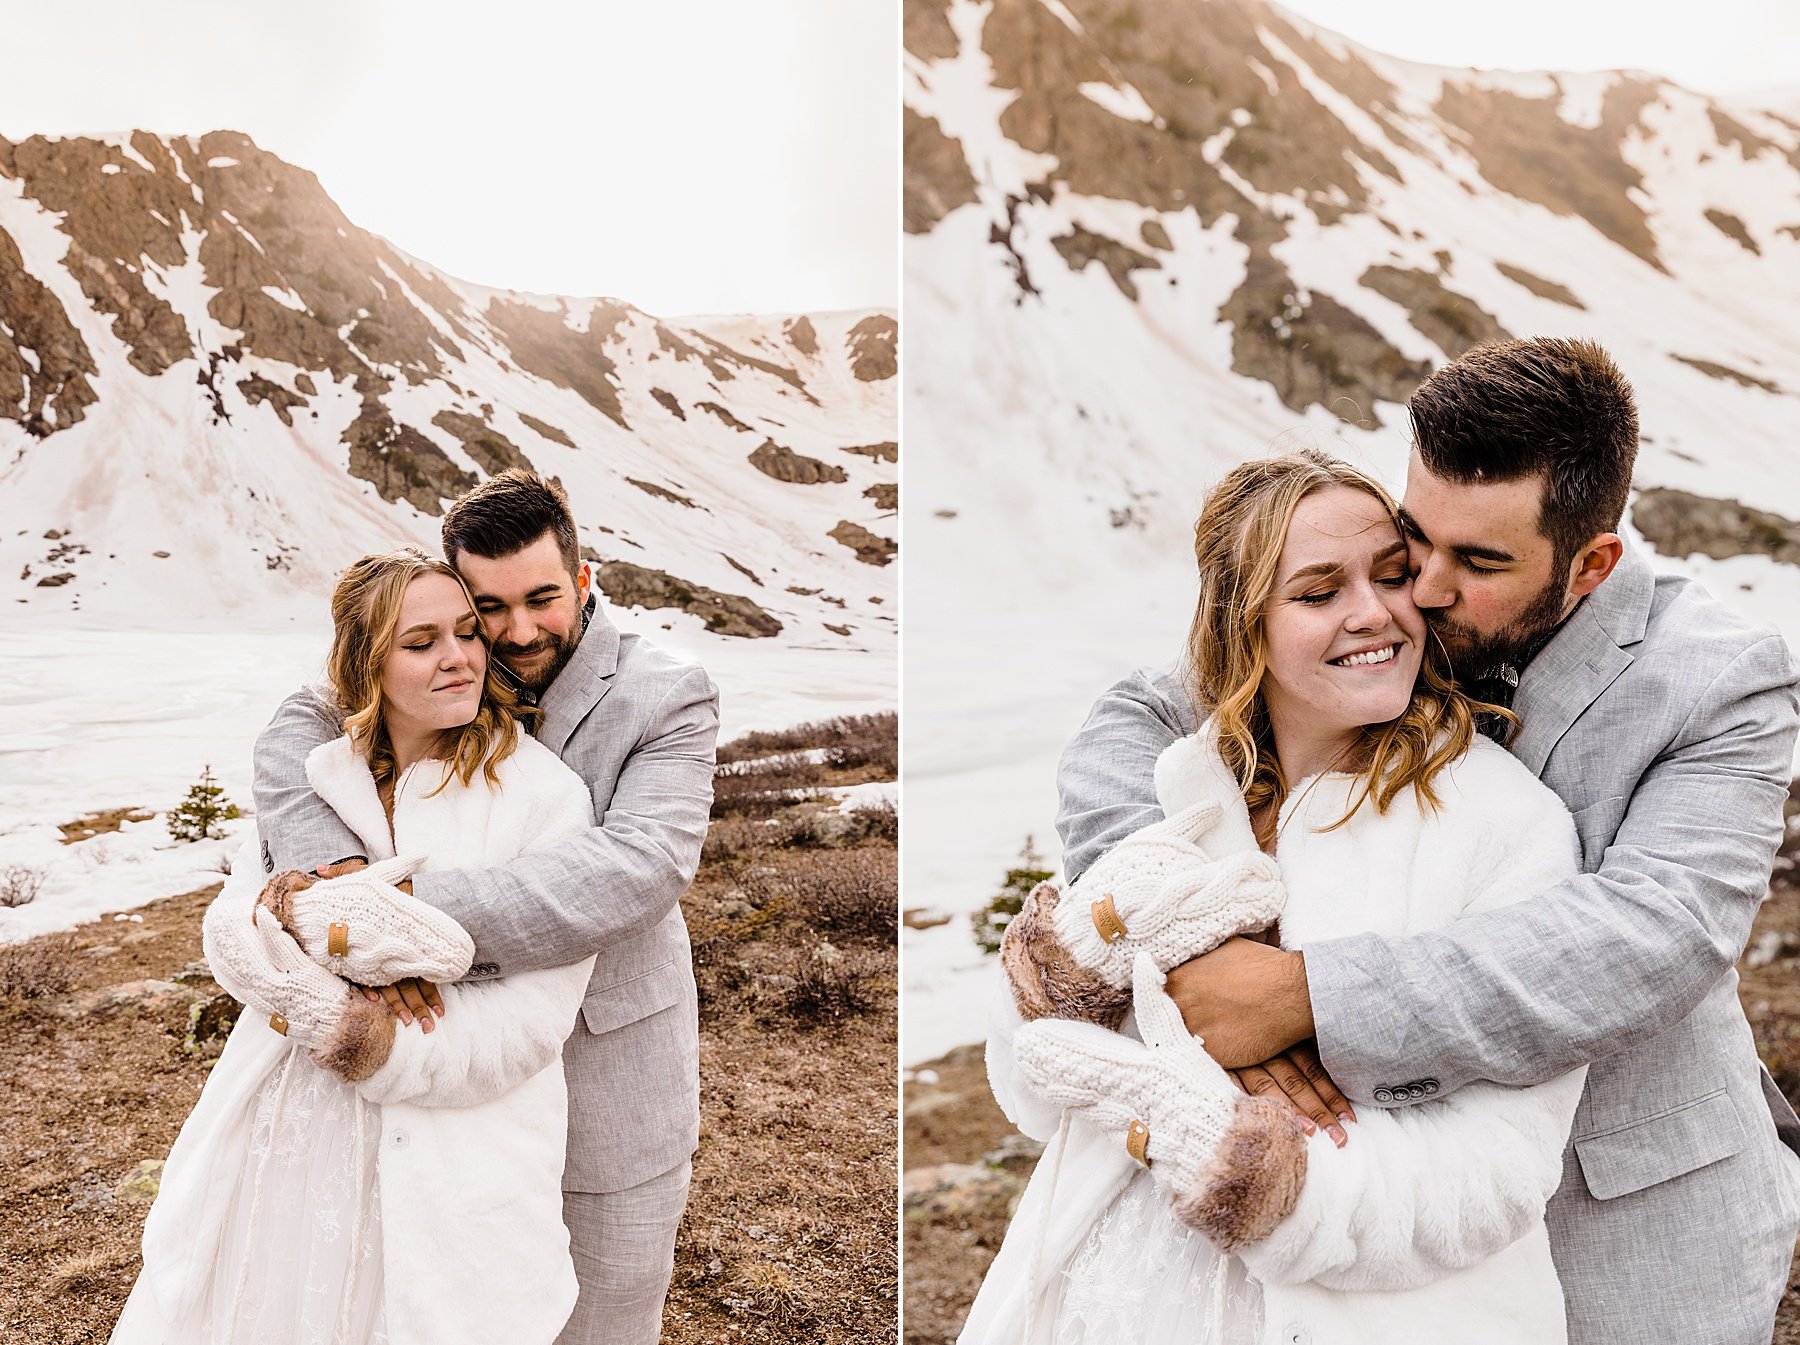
639	726
1667	725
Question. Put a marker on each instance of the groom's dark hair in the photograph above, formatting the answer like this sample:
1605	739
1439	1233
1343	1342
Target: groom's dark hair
1556	408
507	513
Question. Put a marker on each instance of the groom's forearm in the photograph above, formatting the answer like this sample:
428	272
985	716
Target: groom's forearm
297	828
612	883
1106	779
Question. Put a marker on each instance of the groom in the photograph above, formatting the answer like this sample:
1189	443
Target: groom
639	727
1667	725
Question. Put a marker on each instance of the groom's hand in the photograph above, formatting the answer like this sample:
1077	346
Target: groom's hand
1298	1078
1248	1001
339	869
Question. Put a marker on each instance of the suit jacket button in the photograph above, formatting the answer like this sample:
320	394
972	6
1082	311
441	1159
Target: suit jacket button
1415	1090
1430	1086
1384	1095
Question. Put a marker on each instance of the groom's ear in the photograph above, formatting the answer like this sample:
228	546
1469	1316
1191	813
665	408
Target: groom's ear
583	582
1594	563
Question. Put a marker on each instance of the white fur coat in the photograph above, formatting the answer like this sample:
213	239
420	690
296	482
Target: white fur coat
1429	1224
474	1115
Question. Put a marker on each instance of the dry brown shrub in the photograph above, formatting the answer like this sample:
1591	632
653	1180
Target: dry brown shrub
852	892
20	884
38	968
760	787
865	740
832	983
852	740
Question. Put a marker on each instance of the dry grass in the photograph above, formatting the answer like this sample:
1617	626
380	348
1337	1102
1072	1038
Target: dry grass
37	969
791	1226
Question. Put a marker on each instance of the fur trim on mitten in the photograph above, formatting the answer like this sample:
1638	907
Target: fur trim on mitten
1046	981
1233	1165
263	967
366	930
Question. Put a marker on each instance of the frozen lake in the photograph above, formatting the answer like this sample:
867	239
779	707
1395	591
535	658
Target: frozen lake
96	718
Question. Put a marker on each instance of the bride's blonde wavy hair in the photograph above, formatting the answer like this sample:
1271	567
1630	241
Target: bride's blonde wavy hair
1238	541
365	610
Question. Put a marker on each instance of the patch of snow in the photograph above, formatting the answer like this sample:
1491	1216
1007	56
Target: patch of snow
221	161
286	298
1126	103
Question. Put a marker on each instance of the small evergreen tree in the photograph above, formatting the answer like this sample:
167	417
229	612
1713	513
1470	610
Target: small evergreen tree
992	919
197	817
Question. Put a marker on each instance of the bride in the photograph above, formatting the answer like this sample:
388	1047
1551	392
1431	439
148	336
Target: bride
1339	785
341	1182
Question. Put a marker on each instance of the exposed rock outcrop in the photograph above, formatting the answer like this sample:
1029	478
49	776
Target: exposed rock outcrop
1452	321
546	429
1081	246
44	363
661	492
782	463
870	549
1544	289
493	452
874	348
1713	369
400	462
937	178
1680	524
628	585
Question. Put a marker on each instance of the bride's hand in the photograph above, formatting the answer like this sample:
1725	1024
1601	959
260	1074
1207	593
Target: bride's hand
1298	1078
410	999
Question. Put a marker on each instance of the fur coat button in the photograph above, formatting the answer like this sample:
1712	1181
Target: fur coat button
400	1139
1296	1334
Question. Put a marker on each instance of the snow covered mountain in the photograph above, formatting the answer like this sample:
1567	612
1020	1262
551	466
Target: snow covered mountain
1148	239
216	390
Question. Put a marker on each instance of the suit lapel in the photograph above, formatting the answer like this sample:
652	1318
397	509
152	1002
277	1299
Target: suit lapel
1582	660
582	684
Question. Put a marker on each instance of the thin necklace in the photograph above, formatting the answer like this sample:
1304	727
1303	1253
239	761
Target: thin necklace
1292	806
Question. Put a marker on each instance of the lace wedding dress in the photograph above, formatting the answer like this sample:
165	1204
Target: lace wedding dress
1143	1275
300	1258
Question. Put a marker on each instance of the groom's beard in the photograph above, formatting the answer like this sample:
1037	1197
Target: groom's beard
561	648
1474	655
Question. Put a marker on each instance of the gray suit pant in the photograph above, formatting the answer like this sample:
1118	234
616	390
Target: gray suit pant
623	1243
1671	1243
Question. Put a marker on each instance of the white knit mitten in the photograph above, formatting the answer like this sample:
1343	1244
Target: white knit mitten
1159	891
261	965
364	929
1232	1164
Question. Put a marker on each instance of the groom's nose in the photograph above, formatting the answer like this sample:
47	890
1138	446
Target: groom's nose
1433	584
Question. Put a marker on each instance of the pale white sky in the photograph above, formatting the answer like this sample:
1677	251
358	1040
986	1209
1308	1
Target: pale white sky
689	156
1721	47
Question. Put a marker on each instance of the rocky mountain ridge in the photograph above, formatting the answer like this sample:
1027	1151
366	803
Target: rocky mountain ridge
215	390
1147	241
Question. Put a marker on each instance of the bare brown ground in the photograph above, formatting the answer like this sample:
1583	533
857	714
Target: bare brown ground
791	1224
950	1242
